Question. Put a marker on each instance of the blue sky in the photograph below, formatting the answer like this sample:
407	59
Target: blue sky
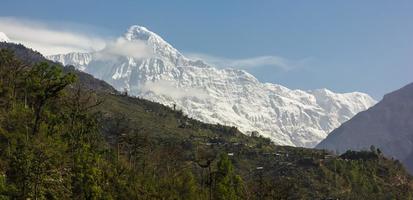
345	46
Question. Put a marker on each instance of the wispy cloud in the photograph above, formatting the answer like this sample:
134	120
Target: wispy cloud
47	39
122	47
245	63
50	39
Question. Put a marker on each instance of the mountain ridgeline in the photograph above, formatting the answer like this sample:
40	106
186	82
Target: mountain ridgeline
67	135
227	96
388	126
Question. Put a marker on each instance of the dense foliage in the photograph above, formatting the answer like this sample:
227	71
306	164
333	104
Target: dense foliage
65	135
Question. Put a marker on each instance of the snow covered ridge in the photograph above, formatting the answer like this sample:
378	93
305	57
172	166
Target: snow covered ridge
226	96
80	60
3	37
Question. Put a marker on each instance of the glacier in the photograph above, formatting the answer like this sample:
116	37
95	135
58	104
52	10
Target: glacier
227	96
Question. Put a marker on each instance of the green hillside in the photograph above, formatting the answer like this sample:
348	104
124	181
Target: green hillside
66	135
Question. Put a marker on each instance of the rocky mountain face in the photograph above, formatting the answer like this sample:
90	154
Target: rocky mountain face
227	96
388	126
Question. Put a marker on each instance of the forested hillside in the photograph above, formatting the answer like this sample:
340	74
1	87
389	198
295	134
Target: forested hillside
66	135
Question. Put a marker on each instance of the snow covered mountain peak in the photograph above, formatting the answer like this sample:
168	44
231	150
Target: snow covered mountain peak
3	37
139	32
159	46
227	96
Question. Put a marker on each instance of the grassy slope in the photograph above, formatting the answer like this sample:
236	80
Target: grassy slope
308	172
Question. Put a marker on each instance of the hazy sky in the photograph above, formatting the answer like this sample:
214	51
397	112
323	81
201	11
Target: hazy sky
345	46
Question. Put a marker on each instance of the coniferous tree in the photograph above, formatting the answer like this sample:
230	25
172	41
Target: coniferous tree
227	183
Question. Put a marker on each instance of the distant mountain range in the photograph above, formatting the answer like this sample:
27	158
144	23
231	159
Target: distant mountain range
388	126
227	96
